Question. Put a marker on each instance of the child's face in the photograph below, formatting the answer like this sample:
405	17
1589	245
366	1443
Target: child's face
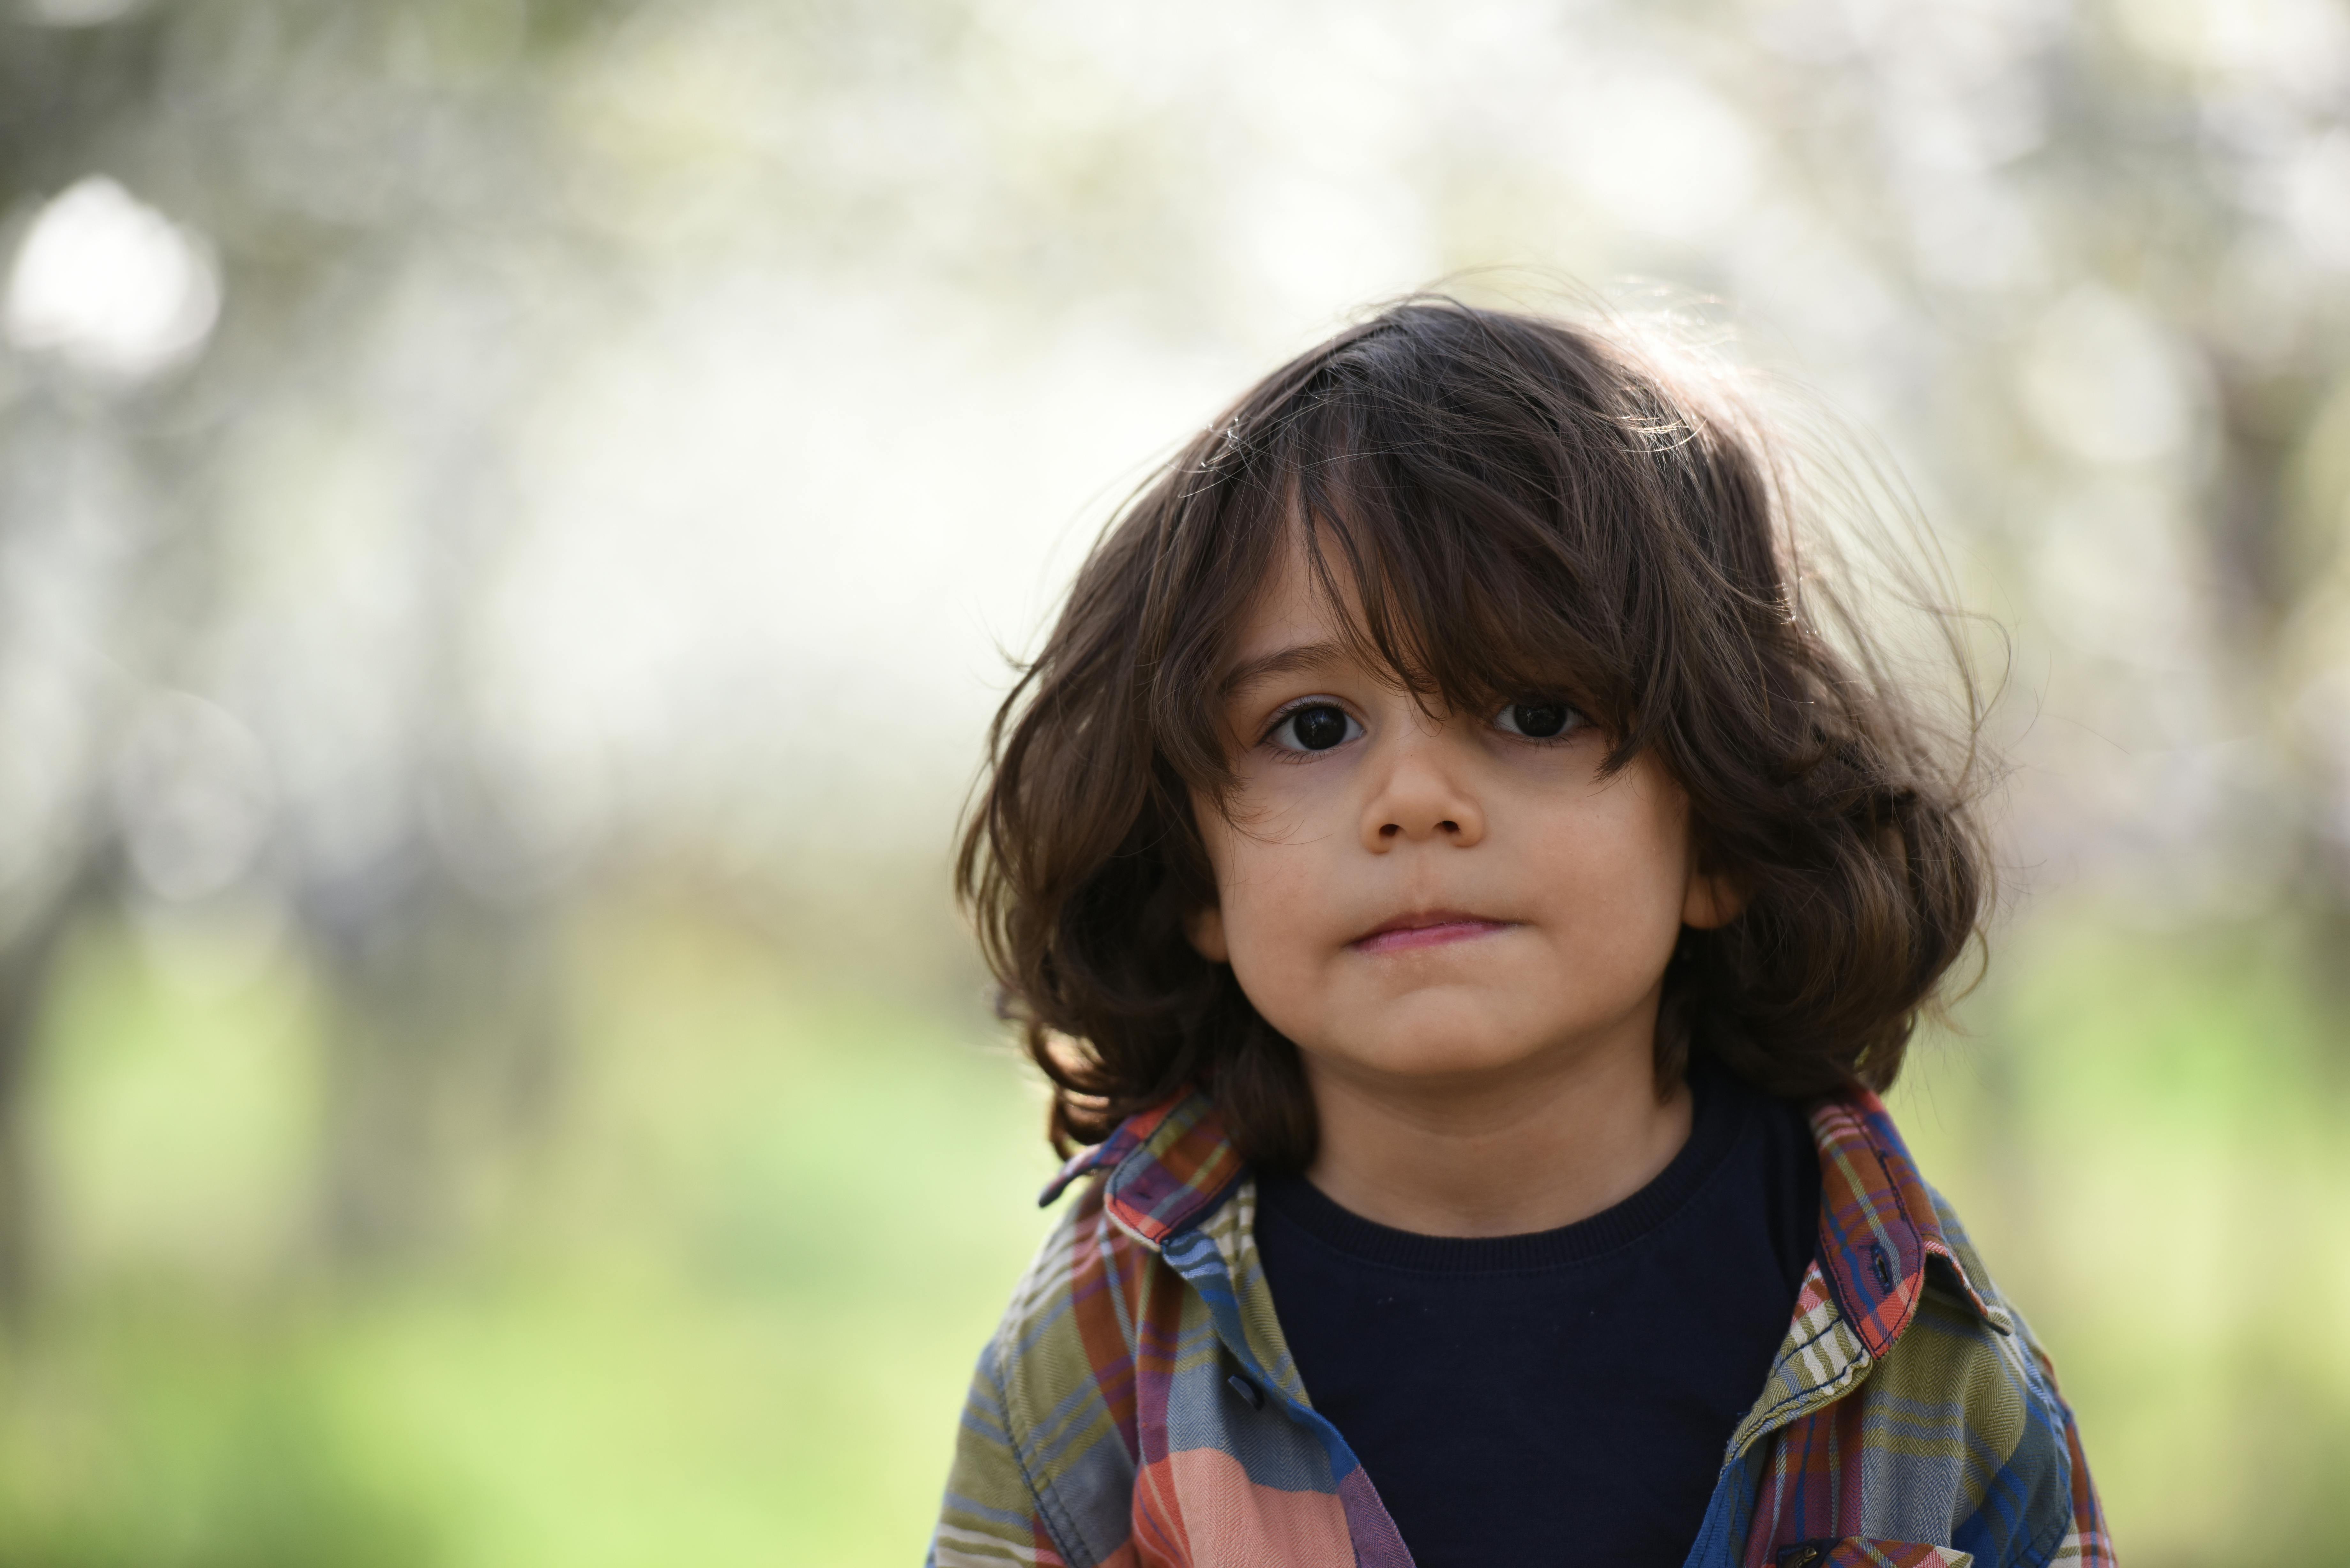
1428	898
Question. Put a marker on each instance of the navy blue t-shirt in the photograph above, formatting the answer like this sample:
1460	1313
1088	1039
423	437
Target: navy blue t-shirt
1565	1396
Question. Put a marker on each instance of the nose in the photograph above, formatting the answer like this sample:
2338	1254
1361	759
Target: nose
1424	793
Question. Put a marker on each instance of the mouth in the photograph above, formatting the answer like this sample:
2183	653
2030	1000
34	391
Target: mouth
1433	928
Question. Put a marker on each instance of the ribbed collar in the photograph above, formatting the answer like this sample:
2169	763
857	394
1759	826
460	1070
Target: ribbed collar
1720	1114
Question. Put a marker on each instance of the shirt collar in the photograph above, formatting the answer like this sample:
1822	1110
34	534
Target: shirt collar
1879	1228
1169	1167
1172	1165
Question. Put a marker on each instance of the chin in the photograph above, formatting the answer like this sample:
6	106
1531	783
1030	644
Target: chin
1439	1053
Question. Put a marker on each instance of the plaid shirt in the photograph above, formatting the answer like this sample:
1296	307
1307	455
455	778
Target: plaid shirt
1139	1407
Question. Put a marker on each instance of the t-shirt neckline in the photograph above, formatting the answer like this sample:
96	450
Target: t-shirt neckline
1720	1114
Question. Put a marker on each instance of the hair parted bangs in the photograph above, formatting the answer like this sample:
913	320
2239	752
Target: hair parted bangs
1519	506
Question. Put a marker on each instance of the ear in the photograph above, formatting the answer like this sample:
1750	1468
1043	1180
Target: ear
1713	899
1205	930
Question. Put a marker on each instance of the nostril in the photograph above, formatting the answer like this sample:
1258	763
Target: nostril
1390	830
1450	827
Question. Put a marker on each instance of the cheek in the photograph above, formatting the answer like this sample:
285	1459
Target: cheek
1273	911
1270	869
1616	861
1269	898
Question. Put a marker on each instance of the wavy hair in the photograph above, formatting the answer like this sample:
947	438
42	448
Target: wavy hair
1519	503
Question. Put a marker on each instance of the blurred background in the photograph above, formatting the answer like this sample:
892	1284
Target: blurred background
514	514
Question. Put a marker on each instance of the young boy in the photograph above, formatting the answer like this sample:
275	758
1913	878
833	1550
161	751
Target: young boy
1468	907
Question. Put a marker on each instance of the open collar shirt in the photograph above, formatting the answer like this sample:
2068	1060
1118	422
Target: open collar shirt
1138	1408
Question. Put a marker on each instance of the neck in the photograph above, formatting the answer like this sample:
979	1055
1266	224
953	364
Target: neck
1536	1146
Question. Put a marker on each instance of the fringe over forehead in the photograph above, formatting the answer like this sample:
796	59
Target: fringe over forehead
1518	508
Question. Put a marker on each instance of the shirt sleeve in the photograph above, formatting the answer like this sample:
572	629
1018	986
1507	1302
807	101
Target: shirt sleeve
991	1514
2085	1543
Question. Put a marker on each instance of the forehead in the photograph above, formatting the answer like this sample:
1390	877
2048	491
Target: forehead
1292	606
1307	621
1297	621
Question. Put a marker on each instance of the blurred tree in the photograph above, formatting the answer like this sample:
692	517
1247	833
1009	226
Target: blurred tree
2113	242
319	155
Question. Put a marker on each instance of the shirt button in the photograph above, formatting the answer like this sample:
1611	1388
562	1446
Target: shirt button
1249	1392
1800	1556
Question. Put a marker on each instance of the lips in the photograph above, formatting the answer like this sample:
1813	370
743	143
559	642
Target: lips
1433	928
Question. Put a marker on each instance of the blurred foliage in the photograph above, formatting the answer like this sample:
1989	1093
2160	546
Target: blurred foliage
2145	1134
510	511
727	1316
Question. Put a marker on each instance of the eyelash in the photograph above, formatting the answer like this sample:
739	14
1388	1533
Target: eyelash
1289	710
1578	721
1574	723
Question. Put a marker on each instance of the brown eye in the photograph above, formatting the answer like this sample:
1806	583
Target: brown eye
1314	728
1541	720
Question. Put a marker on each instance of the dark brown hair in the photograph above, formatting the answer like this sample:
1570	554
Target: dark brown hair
1521	504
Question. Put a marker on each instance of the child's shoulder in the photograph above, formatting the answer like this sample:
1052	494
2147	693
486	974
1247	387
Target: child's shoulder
1050	1439
1903	1337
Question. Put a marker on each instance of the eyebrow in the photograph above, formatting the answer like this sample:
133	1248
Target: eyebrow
1291	660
